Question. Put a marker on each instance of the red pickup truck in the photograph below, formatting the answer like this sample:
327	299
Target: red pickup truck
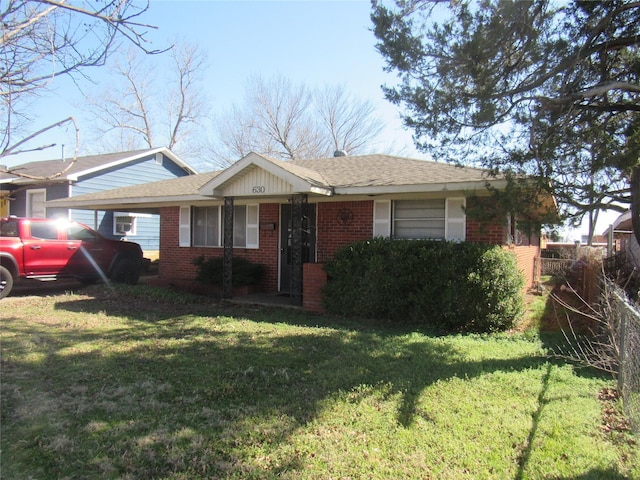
49	249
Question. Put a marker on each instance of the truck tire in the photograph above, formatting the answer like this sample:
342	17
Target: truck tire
126	270
6	282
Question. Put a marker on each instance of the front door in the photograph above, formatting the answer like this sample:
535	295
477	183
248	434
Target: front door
308	242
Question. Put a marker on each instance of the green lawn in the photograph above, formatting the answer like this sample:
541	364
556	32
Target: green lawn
144	384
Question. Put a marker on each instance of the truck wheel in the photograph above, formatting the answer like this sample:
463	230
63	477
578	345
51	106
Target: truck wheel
126	270
6	282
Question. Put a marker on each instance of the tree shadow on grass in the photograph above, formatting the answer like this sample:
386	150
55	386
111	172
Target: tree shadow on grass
190	388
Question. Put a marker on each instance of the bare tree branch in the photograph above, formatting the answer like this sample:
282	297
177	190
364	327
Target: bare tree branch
43	39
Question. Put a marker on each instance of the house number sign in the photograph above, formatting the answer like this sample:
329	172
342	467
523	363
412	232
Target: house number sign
258	189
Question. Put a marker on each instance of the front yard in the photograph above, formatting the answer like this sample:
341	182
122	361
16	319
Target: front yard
142	383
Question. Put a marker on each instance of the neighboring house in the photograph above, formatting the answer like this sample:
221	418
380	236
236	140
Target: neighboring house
293	216
621	239
33	184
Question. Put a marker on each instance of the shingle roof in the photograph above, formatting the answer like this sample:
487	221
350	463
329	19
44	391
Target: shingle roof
65	170
344	175
388	170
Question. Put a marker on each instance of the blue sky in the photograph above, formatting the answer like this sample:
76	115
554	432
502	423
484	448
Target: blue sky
318	43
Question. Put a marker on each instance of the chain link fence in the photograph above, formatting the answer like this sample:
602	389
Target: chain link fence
627	321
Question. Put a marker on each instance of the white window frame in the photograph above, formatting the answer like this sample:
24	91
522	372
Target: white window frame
437	222
454	224
251	227
134	224
213	242
29	200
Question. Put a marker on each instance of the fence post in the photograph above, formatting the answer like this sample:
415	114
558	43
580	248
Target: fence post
623	348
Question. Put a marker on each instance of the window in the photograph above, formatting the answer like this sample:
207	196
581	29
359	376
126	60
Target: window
127	223
245	226
9	228
418	219
78	232
35	203
44	230
124	224
441	218
206	225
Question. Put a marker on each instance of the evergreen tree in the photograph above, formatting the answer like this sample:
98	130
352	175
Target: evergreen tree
544	89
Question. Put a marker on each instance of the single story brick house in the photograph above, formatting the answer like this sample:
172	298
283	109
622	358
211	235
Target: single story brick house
292	216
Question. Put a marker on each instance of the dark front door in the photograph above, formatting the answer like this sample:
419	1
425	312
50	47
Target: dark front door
308	242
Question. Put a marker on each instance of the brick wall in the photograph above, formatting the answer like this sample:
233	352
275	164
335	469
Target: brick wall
481	233
175	261
314	278
334	233
526	255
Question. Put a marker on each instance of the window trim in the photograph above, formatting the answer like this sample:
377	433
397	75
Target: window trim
251	229
383	219
29	202
134	216
218	220
134	224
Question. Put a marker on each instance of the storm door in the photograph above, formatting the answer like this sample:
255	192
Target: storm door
308	237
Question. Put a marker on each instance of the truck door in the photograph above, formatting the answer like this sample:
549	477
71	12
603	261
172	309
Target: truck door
89	257
45	253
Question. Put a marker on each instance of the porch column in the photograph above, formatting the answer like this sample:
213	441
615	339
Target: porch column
227	277
298	203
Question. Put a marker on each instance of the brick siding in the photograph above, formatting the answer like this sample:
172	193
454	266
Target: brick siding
482	233
332	233
526	258
176	262
314	279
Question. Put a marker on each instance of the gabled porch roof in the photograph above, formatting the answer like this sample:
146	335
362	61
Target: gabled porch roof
255	175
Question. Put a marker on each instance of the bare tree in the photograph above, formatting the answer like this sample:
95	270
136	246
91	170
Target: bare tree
123	109
140	108
289	121
350	123
43	39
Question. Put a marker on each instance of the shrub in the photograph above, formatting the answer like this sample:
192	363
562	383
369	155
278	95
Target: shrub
244	272
444	285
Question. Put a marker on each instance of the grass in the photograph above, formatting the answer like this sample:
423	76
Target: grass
147	383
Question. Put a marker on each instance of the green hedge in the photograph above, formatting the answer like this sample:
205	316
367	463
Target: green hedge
448	286
244	272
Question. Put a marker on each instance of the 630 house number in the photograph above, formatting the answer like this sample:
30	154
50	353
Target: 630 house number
258	189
